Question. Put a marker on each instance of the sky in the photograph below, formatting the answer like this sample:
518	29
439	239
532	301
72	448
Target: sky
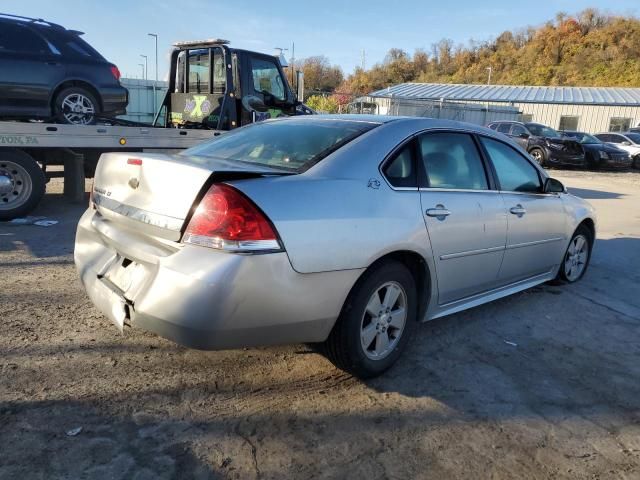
338	29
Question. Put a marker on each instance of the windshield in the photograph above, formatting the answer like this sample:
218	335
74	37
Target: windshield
583	138
543	131
293	145
634	137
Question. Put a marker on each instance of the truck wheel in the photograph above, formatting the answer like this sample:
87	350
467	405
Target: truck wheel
76	106
22	184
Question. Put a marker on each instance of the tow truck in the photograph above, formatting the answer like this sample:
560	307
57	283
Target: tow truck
213	88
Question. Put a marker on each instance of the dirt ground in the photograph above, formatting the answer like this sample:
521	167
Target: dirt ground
561	400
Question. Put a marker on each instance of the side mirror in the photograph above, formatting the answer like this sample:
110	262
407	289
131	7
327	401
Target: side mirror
625	143
524	135
551	185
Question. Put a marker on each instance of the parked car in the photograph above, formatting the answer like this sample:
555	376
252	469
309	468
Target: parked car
547	146
344	230
47	71
628	141
599	154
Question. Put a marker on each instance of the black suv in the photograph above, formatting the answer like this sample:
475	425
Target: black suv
546	145
48	72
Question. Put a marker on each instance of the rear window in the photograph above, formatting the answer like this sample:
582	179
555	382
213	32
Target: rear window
71	45
294	145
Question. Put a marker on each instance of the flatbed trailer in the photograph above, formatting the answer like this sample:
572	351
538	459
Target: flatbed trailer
28	149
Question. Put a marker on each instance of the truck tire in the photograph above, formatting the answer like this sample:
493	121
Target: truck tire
76	106
22	184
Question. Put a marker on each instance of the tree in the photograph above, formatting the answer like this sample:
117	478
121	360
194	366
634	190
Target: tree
320	75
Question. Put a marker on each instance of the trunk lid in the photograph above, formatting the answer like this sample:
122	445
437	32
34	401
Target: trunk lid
159	190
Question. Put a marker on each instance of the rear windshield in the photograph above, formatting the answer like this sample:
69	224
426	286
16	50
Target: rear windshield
71	45
294	144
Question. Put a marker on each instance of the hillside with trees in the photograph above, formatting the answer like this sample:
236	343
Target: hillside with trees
587	49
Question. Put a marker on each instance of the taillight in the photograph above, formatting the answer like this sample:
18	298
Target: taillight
115	72
227	220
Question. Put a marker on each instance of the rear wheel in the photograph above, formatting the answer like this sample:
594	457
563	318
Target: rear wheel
636	162
76	106
376	323
22	184
577	256
538	156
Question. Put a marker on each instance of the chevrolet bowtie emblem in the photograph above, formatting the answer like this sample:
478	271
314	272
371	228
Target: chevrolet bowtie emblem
134	182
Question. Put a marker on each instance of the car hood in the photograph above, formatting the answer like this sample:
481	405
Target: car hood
601	147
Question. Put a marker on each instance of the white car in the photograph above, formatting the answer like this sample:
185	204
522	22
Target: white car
628	141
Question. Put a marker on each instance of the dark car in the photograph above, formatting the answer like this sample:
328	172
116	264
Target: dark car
599	154
547	146
48	72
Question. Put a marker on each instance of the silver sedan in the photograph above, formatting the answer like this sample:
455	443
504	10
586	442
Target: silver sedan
341	230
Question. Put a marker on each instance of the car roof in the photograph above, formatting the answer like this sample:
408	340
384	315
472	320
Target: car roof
419	123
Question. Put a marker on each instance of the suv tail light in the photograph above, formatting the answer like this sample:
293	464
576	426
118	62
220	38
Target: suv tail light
115	72
227	220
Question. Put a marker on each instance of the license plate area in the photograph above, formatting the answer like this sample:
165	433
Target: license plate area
124	273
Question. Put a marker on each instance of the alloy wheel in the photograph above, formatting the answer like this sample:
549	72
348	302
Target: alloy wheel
383	320
78	109
576	259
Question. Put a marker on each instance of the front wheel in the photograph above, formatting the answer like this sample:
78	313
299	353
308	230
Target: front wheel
636	162
376	323
577	256
538	156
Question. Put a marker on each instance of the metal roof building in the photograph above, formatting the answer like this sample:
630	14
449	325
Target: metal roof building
590	109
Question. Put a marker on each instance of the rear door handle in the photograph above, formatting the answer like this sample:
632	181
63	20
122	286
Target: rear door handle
518	210
439	212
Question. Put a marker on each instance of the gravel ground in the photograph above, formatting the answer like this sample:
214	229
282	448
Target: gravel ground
560	400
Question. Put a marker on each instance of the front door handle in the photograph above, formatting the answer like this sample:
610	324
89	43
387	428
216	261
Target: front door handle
518	210
439	212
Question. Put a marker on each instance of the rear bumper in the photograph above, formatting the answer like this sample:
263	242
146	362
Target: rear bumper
114	100
206	299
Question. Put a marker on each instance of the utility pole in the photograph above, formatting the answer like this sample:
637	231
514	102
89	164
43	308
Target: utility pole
155	108
146	70
364	57
293	61
489	69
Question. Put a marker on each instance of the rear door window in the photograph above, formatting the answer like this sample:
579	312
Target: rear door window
518	130
400	170
21	39
451	160
515	173
504	128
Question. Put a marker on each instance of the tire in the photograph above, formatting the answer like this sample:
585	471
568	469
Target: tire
567	272
22	184
538	156
636	162
76	106
346	347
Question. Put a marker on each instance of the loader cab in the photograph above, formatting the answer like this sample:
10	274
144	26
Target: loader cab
214	86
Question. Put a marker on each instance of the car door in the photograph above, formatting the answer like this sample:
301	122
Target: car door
535	220
520	135
267	83
464	216
29	70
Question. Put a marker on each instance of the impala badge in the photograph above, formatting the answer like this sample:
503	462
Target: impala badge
134	182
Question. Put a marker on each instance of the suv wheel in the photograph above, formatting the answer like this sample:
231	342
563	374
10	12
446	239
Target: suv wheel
538	156
76	106
376	323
